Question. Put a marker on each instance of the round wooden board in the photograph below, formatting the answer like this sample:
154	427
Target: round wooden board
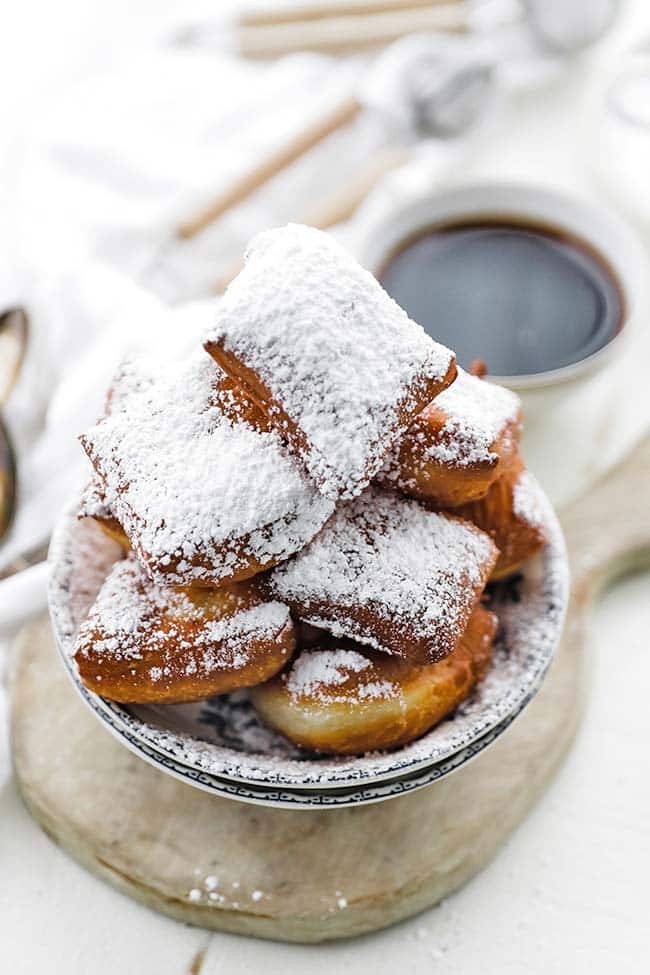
308	876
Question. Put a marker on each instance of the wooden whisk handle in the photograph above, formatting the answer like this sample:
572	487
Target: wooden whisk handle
342	113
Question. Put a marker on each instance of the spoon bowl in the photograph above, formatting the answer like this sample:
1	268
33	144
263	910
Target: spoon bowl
14	329
7	481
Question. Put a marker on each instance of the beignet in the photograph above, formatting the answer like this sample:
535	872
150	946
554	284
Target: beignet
510	514
146	643
458	445
344	699
337	365
388	573
203	492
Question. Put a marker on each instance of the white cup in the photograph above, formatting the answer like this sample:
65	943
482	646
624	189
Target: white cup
572	431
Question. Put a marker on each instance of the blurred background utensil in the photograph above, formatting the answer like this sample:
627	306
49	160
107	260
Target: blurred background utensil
341	205
334	33
570	25
360	25
423	86
414	88
7	480
13	343
341	114
329	27
288	13
564	25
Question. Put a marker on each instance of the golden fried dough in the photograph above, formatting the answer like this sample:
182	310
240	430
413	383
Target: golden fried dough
389	573
337	366
204	491
510	515
458	445
146	643
343	699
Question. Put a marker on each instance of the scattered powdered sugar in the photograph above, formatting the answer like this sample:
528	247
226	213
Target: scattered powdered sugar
93	501
339	356
526	501
477	414
413	570
132	616
198	493
211	894
314	669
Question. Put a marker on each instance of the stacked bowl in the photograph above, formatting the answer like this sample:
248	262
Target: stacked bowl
220	746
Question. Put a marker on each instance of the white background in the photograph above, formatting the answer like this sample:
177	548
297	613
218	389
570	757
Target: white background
569	891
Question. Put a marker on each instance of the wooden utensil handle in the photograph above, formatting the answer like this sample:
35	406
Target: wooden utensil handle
342	204
342	113
339	206
339	35
318	11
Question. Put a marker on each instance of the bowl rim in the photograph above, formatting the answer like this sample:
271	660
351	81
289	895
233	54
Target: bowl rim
248	770
292	797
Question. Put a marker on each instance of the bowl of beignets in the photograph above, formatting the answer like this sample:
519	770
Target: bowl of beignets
310	566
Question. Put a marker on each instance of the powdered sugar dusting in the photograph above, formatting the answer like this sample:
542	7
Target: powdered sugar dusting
375	689
477	413
131	614
416	571
198	492
340	675
93	501
222	737
315	668
343	360
526	501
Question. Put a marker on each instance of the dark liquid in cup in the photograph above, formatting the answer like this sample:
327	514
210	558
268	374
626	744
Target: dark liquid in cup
524	298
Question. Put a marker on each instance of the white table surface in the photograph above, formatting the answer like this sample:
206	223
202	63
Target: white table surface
568	893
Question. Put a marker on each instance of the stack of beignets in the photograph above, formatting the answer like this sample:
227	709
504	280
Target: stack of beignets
327	466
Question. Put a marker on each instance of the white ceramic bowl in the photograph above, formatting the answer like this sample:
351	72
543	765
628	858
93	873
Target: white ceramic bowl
570	416
219	745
